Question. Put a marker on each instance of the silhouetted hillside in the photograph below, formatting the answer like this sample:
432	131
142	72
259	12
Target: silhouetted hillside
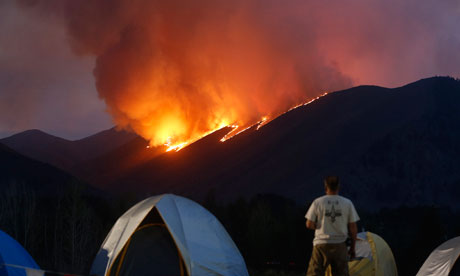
108	167
56	217
42	146
390	146
103	142
42	178
63	153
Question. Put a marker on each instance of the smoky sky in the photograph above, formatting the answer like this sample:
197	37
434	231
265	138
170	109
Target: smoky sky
43	84
156	62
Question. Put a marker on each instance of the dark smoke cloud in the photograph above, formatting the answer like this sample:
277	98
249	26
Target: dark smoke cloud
177	69
191	64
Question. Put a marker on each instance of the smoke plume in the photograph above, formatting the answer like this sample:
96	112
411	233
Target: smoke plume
174	70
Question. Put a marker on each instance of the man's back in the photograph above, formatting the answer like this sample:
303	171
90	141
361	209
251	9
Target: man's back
332	214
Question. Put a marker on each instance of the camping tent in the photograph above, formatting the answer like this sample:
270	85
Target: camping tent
168	235
373	257
14	259
443	261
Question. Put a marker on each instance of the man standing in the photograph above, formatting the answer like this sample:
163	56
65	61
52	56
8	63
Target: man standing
333	218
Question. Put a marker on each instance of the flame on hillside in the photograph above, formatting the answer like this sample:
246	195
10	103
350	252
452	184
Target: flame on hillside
174	71
181	145
265	120
236	129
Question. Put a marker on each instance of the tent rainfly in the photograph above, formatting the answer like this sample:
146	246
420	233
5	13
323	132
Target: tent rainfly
443	261
373	257
14	259
168	235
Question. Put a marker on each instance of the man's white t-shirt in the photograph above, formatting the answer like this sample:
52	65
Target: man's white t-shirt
332	214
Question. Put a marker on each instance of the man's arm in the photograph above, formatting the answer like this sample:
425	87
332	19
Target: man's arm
311	216
311	224
353	230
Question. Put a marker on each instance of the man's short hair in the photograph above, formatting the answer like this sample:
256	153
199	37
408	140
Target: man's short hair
332	182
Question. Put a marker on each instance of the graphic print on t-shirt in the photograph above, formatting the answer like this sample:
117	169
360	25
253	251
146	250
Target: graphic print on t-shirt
331	211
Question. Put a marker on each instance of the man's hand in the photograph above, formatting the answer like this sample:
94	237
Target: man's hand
311	225
352	253
353	231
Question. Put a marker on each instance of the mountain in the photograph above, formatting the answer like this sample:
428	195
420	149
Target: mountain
389	146
103	142
63	153
20	171
106	168
41	146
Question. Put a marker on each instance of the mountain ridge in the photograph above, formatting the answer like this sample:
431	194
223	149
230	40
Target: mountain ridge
291	154
63	153
371	136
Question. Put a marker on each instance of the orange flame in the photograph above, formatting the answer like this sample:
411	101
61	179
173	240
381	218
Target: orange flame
236	129
173	75
173	85
265	120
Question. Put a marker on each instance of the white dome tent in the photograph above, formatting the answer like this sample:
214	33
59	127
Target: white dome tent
443	261
168	235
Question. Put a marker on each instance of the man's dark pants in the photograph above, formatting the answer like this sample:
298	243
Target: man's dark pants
323	255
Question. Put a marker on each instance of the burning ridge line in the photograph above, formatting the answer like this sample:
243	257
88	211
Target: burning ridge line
232	133
265	120
182	145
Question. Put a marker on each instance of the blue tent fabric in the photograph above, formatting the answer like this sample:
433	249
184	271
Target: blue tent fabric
12	253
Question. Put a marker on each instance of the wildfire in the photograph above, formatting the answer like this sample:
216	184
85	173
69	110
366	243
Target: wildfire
233	132
236	129
263	122
177	147
307	103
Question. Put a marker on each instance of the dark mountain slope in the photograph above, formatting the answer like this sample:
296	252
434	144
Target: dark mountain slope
42	178
390	147
337	134
102	142
42	146
63	153
108	167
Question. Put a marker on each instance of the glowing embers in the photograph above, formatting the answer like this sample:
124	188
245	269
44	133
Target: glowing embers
179	146
307	103
263	122
236	129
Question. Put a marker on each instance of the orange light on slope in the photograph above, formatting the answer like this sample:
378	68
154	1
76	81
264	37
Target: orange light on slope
307	103
234	132
262	122
177	146
265	120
